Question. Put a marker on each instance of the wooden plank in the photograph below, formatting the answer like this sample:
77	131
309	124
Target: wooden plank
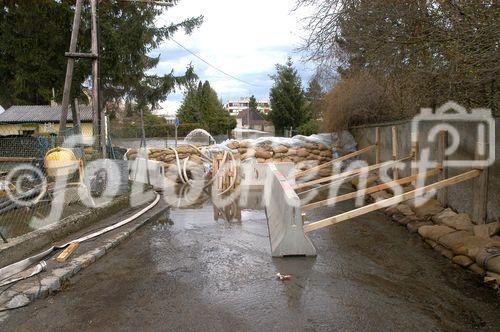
377	144
331	162
67	252
348	173
480	187
395	151
391	201
414	153
80	55
367	191
442	194
16	159
69	69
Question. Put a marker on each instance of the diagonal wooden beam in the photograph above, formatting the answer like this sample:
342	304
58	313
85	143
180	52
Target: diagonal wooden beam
339	159
367	191
349	173
391	201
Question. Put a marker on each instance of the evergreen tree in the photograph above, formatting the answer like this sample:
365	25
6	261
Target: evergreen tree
35	34
287	98
315	98
252	103
202	106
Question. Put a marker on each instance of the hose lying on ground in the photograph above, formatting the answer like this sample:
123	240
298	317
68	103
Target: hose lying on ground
7	272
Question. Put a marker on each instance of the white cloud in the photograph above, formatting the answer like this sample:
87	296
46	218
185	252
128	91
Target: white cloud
243	38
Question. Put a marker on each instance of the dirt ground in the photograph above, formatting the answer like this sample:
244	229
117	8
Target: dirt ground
189	272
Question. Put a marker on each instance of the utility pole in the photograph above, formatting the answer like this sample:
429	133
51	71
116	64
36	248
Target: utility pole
97	117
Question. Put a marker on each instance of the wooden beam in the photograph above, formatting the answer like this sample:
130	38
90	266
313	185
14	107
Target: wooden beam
69	69
442	194
75	113
76	55
331	162
348	173
95	75
63	256
391	201
16	159
395	151
377	144
367	191
414	153
480	186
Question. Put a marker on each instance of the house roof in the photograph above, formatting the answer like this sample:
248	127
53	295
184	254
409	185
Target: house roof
41	114
254	115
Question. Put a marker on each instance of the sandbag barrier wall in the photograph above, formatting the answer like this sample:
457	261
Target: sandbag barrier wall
459	196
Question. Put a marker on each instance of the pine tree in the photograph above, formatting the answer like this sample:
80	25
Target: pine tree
315	98
35	34
287	98
202	106
252	103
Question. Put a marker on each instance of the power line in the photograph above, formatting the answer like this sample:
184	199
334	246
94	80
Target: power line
214	67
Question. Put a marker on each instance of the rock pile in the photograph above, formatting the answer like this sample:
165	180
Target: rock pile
452	234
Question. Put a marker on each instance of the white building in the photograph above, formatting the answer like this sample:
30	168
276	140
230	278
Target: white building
234	107
170	118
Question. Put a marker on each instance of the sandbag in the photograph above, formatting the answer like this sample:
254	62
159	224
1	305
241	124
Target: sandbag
462	243
489	259
462	260
443	214
487	230
459	221
434	232
429	208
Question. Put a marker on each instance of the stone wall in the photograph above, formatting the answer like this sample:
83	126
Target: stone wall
460	195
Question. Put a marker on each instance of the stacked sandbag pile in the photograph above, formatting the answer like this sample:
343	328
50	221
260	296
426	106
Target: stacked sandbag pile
305	155
167	157
454	235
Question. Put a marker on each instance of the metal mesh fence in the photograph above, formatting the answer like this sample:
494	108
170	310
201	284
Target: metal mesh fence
28	184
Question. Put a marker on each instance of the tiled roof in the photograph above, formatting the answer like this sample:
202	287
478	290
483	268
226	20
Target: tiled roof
41	114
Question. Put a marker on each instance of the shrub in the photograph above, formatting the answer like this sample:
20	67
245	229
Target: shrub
356	100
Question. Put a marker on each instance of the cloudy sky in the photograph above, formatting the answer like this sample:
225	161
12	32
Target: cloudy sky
243	38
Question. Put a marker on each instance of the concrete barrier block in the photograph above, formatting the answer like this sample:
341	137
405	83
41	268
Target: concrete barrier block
284	217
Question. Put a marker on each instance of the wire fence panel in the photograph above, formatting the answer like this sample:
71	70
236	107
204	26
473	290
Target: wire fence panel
29	187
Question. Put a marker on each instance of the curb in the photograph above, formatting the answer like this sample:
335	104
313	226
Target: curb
24	245
24	292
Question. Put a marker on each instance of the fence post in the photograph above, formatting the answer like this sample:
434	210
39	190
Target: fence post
395	152
377	143
442	195
480	186
414	153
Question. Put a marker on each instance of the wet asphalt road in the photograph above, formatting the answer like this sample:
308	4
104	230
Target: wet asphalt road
198	274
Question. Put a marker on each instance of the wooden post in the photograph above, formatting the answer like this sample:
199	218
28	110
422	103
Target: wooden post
414	153
377	143
95	73
442	195
75	114
395	152
69	69
480	186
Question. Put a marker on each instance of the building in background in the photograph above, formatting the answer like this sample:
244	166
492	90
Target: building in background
169	118
234	107
251	119
41	120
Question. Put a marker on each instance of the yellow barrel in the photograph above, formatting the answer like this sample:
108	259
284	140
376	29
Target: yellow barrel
61	162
